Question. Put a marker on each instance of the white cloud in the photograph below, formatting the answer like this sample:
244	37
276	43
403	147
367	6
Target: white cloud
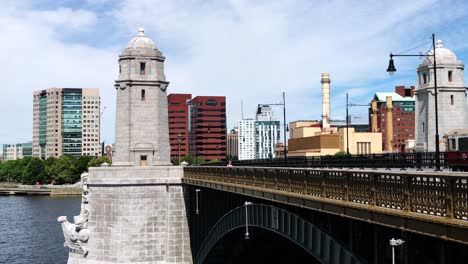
254	50
34	58
246	50
64	18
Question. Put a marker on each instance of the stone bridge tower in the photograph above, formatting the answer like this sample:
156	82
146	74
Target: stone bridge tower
451	98
134	211
141	127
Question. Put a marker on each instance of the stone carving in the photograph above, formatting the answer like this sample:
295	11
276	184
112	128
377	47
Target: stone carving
76	234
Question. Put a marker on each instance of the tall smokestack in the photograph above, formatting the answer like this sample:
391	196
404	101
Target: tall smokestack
389	125
325	101
374	116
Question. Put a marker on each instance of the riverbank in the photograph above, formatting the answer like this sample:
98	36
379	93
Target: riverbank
52	190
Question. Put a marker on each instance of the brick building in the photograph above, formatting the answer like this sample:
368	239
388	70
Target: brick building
199	125
401	127
208	127
178	113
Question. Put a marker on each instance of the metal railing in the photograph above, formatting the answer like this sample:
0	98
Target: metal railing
416	160
440	194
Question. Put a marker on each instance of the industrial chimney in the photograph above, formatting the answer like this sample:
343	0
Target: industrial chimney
389	125
325	101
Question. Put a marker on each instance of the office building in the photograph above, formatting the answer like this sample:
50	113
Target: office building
66	121
16	151
178	118
232	146
258	138
207	116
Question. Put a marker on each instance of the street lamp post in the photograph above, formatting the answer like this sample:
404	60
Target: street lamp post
196	201
395	243
206	157
247	236
179	140
347	126
391	70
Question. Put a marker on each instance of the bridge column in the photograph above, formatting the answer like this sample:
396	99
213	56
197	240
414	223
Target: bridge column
135	215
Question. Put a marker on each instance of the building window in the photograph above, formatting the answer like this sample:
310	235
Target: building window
424	78
142	68
120	68
423	127
451	99
143	95
211	102
450	76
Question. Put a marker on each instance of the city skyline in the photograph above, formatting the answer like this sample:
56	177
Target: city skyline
244	50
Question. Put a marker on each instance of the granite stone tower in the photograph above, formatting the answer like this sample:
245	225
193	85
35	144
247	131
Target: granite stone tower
141	127
451	98
134	211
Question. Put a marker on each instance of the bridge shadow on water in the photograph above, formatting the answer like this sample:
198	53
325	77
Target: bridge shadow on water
262	247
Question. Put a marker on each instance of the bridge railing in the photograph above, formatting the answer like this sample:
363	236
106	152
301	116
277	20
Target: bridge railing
436	194
417	160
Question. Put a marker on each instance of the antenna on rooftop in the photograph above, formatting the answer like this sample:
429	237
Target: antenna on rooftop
242	110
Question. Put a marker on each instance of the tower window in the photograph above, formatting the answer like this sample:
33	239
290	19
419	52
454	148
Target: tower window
424	78
143	94
451	99
120	68
423	127
450	76
142	68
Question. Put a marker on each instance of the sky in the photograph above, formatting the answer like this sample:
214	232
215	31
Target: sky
250	51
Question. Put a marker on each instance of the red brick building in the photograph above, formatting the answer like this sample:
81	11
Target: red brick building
208	127
403	106
178	112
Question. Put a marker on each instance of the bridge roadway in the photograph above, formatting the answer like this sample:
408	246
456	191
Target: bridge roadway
428	203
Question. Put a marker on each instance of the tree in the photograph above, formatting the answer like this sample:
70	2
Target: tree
34	172
188	158
232	157
64	171
99	161
340	153
48	163
82	164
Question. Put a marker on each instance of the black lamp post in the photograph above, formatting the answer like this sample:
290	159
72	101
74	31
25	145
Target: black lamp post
391	70
179	140
209	132
347	126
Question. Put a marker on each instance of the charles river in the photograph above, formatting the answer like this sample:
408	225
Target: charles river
29	231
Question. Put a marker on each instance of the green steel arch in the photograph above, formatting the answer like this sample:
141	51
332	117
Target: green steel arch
320	245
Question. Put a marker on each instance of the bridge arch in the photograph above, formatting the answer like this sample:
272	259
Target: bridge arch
298	230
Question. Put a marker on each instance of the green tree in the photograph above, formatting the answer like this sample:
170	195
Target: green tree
231	157
98	162
188	158
64	171
82	164
34	172
16	173
340	153
6	171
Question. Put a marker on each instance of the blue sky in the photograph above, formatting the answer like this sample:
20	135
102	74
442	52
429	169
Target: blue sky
246	50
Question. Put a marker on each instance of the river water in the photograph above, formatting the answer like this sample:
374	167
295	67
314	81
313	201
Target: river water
29	231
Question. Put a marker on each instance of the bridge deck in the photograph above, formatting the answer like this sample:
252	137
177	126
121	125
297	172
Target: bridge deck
430	203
